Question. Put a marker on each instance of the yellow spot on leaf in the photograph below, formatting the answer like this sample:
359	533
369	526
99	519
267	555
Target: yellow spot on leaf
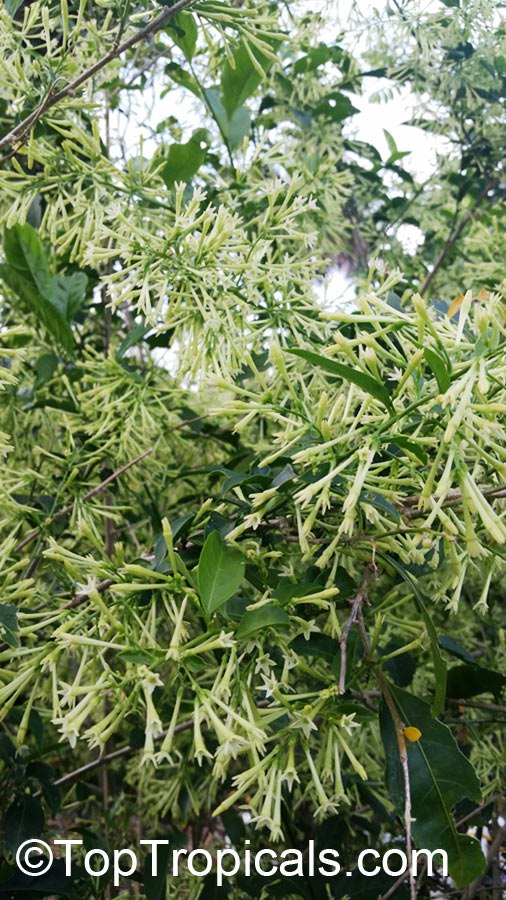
413	734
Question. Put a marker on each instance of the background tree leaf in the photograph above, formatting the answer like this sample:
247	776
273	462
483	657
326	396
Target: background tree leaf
184	160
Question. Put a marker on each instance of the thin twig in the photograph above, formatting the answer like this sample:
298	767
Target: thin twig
454	236
103	484
21	130
477	704
356	605
477	810
121	752
92	493
79	598
452	498
70	777
403	753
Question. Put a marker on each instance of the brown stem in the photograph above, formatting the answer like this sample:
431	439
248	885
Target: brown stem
21	130
403	753
356	605
477	704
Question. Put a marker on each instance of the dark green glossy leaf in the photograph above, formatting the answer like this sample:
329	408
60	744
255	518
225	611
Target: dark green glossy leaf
45	367
317	57
406	444
368	384
24	819
54	300
155	886
335	106
440	776
452	646
7	749
9	626
471	680
263	617
220	572
317	645
439	369
69	292
402	668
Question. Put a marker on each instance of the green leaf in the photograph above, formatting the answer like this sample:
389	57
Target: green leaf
286	590
368	384
155	886
402	668
9	626
319	645
471	680
263	617
52	299
440	776
12	6
392	146
181	77
439	369
220	572
440	669
405	444
25	254
134	336
70	292
184	160
317	57
234	127
452	646
183	31
139	657
45	367
240	81
335	106
24	819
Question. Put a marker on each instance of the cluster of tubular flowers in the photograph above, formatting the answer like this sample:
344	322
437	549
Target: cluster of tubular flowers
234	730
70	724
269	777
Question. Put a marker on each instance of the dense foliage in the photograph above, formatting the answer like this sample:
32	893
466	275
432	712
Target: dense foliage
252	543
